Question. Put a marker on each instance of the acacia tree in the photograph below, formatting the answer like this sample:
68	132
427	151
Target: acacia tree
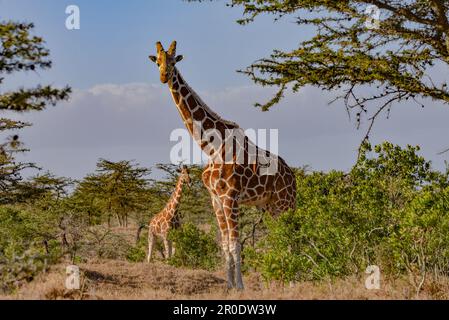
117	189
394	56
20	51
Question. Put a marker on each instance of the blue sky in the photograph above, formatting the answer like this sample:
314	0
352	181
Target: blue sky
116	38
119	110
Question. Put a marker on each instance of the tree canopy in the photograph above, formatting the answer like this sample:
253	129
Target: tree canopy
117	189
394	55
20	51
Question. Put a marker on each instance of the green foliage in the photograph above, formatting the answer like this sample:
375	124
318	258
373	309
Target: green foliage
24	249
390	210
194	248
20	269
21	229
419	245
20	51
138	252
346	52
102	243
116	189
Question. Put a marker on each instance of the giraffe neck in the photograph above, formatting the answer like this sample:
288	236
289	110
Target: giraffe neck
196	115
175	198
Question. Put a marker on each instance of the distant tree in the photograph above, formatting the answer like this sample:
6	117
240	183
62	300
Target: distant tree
117	188
20	51
88	201
349	50
44	190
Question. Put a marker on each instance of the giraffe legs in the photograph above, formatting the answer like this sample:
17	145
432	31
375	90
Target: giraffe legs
230	209
151	242
172	248
167	248
235	250
222	224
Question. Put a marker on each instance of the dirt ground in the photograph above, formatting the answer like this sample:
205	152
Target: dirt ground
116	280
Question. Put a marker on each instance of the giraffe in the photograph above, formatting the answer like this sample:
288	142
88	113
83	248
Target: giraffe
168	218
230	181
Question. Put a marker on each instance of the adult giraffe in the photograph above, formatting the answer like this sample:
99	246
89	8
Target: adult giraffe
238	172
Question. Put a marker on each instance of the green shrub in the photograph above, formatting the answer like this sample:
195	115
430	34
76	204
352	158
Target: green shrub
102	243
20	269
390	210
138	252
194	248
421	241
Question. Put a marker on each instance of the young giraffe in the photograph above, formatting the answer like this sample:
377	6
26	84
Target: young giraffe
168	218
230	183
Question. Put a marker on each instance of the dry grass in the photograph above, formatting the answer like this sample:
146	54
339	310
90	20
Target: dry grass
119	280
114	280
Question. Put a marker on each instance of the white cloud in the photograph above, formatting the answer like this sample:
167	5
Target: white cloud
134	121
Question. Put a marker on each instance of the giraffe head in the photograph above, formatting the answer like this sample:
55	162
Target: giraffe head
166	60
185	175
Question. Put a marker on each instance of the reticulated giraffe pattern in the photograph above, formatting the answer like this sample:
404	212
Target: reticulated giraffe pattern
242	174
168	219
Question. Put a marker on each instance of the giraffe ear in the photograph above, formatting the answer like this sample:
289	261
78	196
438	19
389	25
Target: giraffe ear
153	58
179	58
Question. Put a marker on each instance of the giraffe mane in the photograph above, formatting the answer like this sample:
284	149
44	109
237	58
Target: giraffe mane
209	110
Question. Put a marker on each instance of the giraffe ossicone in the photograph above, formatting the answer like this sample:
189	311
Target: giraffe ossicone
233	182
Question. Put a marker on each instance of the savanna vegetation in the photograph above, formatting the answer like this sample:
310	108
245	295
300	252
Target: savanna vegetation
370	53
391	209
